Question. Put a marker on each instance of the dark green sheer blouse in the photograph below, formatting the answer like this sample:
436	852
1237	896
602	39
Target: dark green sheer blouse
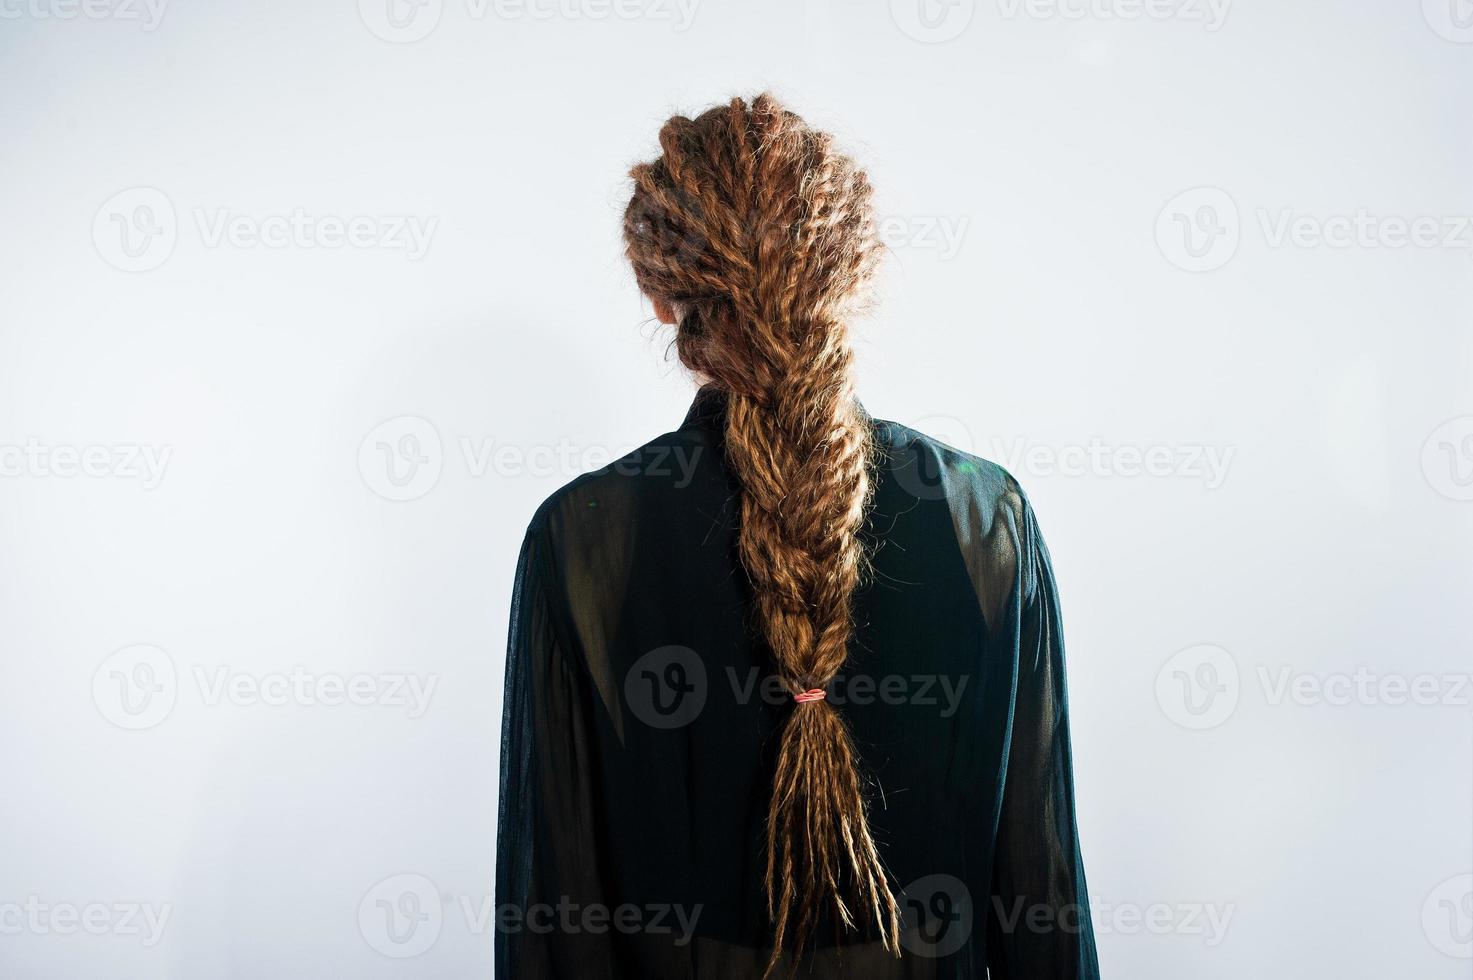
640	714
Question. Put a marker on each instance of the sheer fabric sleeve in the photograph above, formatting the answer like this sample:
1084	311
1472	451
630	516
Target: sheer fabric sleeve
1039	921
548	852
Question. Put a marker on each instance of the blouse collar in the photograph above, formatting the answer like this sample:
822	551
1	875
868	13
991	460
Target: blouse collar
708	410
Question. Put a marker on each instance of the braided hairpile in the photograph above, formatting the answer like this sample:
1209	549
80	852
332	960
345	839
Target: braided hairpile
761	236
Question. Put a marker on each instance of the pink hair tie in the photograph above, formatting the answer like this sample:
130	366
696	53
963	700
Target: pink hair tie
812	694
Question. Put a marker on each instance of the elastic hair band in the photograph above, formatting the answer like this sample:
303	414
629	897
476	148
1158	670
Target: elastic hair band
812	694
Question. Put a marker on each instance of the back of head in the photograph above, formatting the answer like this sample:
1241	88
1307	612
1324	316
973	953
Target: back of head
761	238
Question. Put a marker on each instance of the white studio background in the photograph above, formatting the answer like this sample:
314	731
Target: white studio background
307	305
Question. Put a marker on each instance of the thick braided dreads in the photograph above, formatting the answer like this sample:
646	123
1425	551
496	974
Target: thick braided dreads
761	236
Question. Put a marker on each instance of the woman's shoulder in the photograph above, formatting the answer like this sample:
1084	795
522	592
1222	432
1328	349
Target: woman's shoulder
674	467
928	467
